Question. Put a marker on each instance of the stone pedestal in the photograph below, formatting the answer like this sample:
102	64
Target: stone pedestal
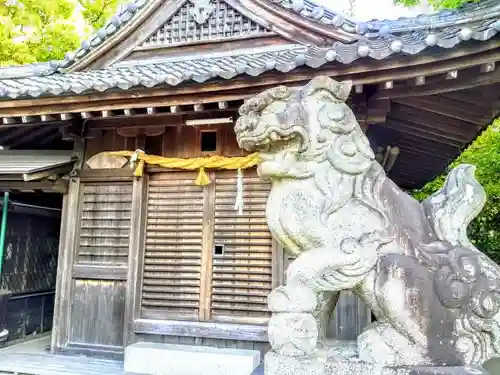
341	360
165	359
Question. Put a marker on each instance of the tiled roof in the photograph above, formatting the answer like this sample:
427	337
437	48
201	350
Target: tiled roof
150	73
377	39
381	38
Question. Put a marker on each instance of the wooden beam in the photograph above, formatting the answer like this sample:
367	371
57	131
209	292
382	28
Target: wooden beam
223	331
152	121
58	186
86	115
461	133
46	118
417	148
488	67
419	81
445	107
441	87
28	119
36	176
480	99
137	121
8	120
453	74
406	113
67	116
417	134
434	133
388	85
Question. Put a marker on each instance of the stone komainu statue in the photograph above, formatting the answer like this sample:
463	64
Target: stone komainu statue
435	296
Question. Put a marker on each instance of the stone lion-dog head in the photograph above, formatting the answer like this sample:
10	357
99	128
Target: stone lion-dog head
291	127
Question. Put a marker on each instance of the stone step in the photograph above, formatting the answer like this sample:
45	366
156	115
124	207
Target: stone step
168	359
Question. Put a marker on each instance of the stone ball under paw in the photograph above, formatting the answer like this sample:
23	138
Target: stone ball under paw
293	334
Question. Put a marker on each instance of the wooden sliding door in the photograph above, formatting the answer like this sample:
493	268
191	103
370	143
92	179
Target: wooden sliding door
173	247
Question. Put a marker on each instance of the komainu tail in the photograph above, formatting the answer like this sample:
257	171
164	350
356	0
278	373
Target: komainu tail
451	209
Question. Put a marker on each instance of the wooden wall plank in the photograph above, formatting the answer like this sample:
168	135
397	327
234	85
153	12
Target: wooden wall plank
93	272
97	313
177	142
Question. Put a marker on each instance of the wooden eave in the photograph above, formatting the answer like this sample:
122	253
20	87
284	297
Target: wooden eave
474	65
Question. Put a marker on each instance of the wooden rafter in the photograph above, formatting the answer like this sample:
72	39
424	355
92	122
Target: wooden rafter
485	79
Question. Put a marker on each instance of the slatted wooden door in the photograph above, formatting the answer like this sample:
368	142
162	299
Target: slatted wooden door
100	267
243	249
173	248
204	261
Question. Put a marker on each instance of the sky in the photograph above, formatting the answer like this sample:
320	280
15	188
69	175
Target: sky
365	10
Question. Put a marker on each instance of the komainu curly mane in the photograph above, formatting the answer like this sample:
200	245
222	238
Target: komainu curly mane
434	295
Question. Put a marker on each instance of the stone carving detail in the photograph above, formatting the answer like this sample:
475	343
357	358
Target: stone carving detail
435	296
201	10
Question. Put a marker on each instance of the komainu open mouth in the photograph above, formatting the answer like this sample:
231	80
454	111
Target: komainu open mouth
274	139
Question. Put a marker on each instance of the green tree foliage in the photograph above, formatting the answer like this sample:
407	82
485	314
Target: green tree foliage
484	153
97	12
42	30
437	4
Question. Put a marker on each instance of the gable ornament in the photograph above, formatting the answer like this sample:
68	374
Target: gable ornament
201	10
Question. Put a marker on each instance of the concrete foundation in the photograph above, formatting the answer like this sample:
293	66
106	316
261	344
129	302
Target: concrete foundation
341	360
166	359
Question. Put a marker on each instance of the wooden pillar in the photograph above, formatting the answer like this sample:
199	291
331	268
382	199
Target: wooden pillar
69	221
135	258
207	250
